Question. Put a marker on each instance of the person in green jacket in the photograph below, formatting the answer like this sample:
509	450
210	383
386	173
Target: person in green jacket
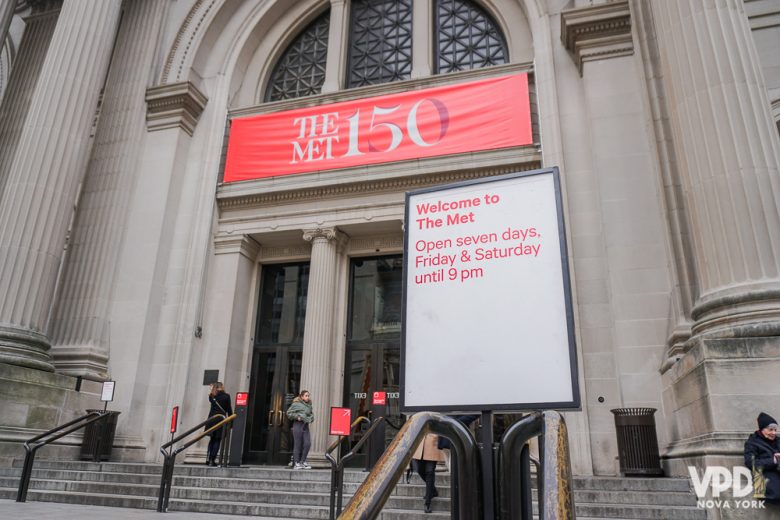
300	413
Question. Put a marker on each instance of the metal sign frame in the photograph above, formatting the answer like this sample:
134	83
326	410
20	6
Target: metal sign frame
575	402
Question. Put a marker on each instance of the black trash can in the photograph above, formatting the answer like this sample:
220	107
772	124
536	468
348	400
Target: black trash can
99	438
637	442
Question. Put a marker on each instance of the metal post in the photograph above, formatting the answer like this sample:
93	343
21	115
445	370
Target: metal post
340	479
486	454
163	479
24	483
169	481
526	504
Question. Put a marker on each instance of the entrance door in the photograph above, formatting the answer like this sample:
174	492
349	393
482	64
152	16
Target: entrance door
374	341
276	363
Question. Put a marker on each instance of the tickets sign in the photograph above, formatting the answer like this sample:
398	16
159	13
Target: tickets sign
340	420
467	117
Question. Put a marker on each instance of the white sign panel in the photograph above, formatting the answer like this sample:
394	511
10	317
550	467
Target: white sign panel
108	391
488	322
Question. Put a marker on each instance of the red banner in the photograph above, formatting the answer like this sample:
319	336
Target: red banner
480	115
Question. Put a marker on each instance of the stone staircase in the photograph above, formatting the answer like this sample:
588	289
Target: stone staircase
283	493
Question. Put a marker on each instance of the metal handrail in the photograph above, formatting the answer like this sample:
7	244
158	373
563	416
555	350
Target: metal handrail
368	500
32	445
554	474
170	456
337	467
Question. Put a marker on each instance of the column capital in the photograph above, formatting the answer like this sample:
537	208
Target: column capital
236	244
328	233
597	32
175	105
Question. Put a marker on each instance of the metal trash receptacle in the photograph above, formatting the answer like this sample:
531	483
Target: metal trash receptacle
637	442
99	437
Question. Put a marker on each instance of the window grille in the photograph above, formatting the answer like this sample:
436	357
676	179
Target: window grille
466	37
301	69
380	46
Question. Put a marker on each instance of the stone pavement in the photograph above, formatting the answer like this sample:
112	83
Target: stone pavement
46	510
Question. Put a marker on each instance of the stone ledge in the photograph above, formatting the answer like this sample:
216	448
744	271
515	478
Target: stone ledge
597	32
176	105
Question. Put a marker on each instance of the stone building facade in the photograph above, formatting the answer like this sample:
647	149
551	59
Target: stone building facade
124	256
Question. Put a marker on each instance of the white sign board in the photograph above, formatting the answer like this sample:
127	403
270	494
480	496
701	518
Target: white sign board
108	391
487	303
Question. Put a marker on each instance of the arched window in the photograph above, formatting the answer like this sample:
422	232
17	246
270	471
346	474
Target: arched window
379	49
466	37
301	69
380	42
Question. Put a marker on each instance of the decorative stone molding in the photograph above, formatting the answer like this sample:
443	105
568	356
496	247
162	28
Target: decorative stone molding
176	105
196	21
278	252
357	188
376	244
597	32
238	244
328	233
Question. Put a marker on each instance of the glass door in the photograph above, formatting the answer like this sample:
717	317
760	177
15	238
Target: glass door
374	341
276	363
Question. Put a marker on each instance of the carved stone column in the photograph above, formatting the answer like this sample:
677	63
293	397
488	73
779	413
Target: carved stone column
318	330
81	326
729	159
48	166
6	14
39	28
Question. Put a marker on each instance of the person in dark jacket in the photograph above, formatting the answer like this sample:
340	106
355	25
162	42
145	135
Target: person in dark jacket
762	456
301	414
220	405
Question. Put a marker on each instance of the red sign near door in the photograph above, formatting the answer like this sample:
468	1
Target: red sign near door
380	398
340	420
451	119
242	398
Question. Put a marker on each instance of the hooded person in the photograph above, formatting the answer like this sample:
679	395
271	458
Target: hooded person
762	456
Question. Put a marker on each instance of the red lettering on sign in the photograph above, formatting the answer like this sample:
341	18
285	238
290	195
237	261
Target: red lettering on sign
479	115
242	398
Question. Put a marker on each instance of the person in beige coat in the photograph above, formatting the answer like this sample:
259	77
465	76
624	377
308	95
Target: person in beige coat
424	462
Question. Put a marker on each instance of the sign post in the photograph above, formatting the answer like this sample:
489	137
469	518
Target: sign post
107	393
239	426
488	321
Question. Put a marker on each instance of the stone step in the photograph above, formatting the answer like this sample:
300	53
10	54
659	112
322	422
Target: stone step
351	475
40	477
637	512
94	482
299	496
215	507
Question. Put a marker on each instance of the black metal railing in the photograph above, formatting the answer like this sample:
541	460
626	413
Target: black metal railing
170	456
39	441
555	494
337	465
372	494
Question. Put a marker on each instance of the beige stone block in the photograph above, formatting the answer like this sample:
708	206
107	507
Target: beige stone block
590	268
597	339
638	281
641	306
693	387
739	412
636	333
588	245
595	315
635	360
603	448
641	387
592	292
606	388
599	366
694	418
